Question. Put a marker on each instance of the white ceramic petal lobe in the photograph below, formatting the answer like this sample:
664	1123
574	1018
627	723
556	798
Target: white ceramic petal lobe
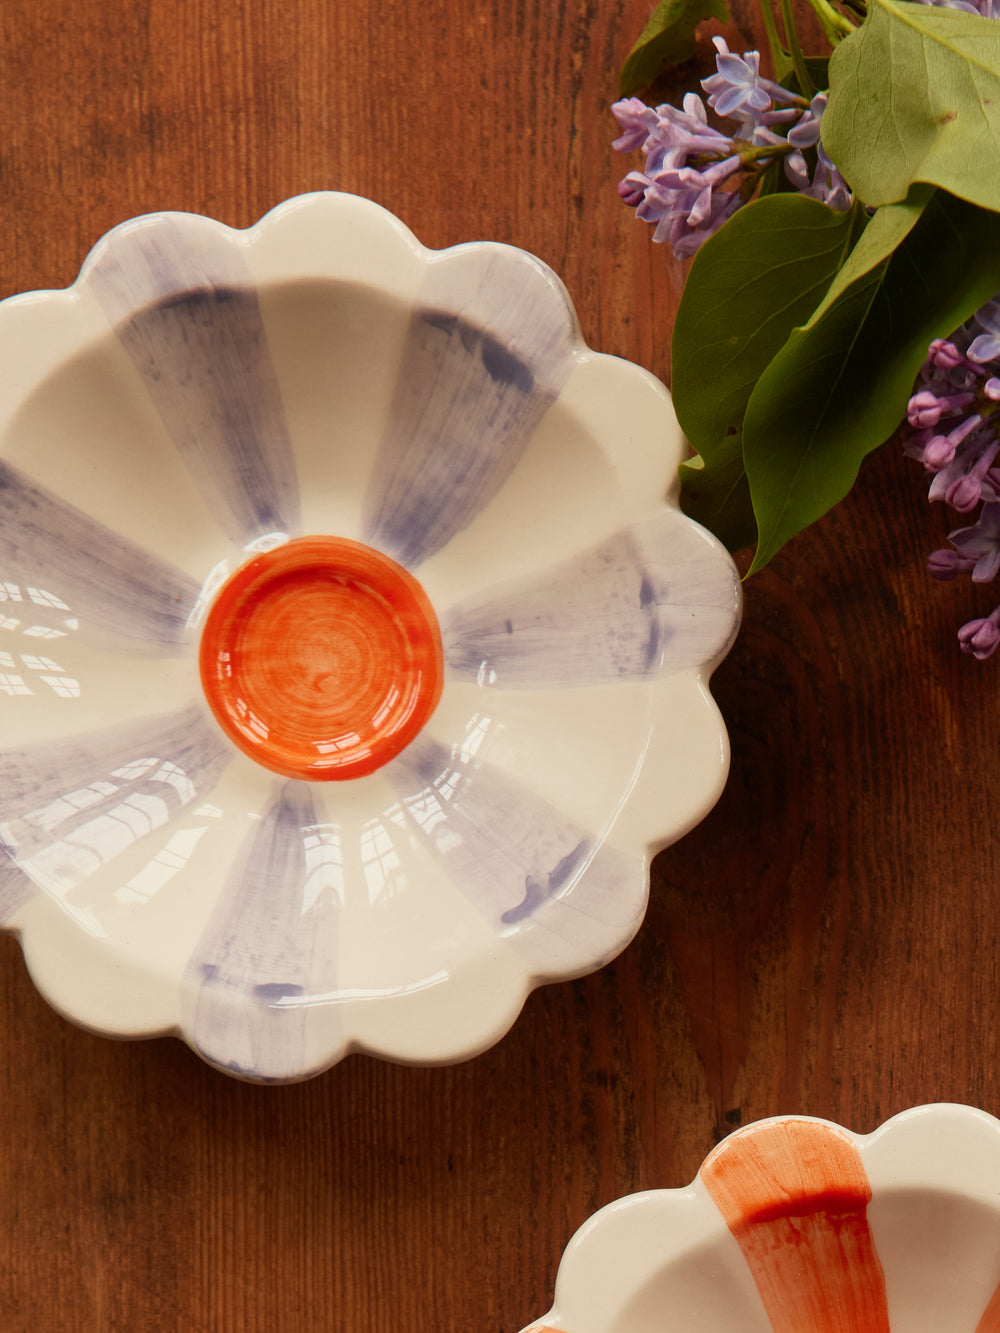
178	292
270	946
654	597
490	345
557	892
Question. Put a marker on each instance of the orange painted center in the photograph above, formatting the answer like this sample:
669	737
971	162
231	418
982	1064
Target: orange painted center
321	658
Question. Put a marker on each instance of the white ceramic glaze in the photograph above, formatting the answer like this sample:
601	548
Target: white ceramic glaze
201	395
797	1225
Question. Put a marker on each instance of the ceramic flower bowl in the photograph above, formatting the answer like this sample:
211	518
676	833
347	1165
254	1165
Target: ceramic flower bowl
796	1225
353	662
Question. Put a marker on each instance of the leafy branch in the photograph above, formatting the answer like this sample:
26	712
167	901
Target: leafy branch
801	328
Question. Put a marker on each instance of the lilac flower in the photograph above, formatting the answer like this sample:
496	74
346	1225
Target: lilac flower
946	565
980	637
953	429
683	188
826	183
986	347
980	544
987	9
696	176
637	121
738	86
926	408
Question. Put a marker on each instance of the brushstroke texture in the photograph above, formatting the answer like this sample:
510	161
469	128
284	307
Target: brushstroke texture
489	347
653	598
180	297
271	945
554	889
83	577
795	1196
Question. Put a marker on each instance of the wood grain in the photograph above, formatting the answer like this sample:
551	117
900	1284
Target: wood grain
824	943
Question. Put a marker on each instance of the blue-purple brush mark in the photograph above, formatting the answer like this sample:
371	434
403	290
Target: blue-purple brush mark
651	598
468	397
508	852
120	595
183	305
272	943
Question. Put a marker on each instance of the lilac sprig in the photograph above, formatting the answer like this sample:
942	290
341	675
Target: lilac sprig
953	429
695	176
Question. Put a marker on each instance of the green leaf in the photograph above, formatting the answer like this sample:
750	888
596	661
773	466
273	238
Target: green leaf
744	295
716	495
817	67
887	229
839	387
915	96
667	39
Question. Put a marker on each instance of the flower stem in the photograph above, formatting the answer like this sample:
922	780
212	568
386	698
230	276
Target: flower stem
806	86
773	38
836	25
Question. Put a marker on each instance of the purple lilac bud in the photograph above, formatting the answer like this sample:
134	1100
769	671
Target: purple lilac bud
826	183
944	355
987	9
980	637
939	453
927	409
953	428
965	447
965	492
636	120
946	565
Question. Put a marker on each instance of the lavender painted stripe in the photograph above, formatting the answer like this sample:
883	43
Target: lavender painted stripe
653	598
181	299
487	352
271	944
520	861
15	889
57	562
67	808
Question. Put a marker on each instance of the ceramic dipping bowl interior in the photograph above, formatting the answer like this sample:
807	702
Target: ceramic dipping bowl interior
796	1225
353	648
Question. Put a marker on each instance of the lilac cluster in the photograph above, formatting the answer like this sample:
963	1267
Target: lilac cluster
696	176
987	9
953	429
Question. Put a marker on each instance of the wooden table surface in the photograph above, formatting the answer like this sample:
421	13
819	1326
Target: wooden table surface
823	943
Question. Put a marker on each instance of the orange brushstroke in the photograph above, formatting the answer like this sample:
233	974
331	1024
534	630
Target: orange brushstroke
990	1319
795	1195
321	658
